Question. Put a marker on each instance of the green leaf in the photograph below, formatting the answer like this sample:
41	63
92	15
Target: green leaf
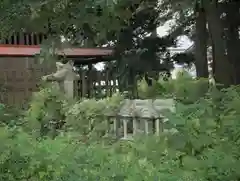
190	163
177	141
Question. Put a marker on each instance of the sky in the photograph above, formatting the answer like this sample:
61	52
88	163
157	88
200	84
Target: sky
183	42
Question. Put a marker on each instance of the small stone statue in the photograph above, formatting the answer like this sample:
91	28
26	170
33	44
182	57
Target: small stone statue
65	77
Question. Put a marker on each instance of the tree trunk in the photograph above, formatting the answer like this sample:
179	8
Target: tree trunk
222	67
232	39
201	61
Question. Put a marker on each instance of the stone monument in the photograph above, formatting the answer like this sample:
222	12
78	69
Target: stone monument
65	77
144	116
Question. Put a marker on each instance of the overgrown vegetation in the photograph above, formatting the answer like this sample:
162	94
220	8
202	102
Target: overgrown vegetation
202	142
58	139
184	88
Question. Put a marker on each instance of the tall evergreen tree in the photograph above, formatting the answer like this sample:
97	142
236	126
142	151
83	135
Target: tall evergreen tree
140	52
223	22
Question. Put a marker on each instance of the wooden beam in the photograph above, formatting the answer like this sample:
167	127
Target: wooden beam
24	50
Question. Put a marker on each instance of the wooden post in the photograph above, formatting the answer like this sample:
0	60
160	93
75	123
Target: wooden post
14	39
90	81
32	39
21	38
40	38
27	38
83	87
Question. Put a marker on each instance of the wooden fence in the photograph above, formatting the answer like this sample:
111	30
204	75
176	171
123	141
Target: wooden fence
96	84
20	76
24	39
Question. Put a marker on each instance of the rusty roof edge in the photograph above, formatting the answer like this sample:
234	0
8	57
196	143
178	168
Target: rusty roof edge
39	46
28	50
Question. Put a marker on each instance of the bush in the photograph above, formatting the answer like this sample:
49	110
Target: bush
50	113
46	113
207	139
184	88
88	117
202	143
24	158
10	116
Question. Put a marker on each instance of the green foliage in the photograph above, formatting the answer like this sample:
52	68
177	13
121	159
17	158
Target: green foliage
93	18
50	112
205	141
207	135
88	117
159	89
46	113
9	116
200	142
188	90
184	88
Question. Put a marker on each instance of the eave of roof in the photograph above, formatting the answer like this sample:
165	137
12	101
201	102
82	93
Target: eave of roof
32	50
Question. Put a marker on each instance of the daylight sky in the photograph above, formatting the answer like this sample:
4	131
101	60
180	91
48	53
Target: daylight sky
183	43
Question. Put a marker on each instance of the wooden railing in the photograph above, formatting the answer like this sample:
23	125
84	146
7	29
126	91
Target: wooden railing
24	39
96	84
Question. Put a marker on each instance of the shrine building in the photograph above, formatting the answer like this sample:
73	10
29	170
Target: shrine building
21	69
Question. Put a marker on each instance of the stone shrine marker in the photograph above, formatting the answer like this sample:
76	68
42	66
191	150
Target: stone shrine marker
65	77
144	115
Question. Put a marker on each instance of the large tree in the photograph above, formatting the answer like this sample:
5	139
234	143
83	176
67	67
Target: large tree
139	51
61	17
122	24
222	18
190	20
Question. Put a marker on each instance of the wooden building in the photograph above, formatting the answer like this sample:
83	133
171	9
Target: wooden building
21	70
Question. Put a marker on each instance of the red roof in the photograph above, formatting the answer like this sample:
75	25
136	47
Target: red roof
31	50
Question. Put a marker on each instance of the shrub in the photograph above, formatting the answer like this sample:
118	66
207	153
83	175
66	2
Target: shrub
184	88
159	89
207	138
206	141
203	143
10	116
46	113
49	110
88	117
24	158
